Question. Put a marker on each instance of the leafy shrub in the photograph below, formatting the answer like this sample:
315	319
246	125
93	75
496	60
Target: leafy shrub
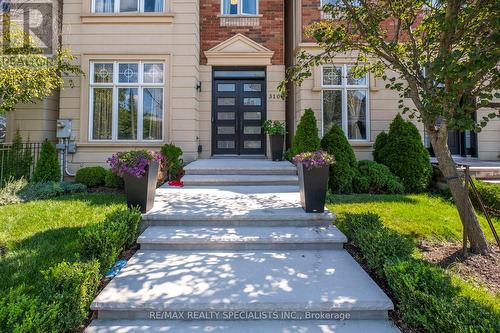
91	176
343	171
405	155
306	137
172	163
275	127
429	301
380	142
17	161
104	241
47	167
376	178
8	194
378	244
490	196
112	180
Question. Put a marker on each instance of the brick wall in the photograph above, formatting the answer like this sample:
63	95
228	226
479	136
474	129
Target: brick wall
310	14
269	33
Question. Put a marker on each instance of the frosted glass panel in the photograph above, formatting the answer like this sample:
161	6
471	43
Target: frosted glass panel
252	101
225	130
252	130
252	144
226	101
226	144
226	87
252	116
252	87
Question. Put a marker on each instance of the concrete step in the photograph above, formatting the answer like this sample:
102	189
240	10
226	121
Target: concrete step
263	326
156	284
240	238
240	167
225	206
239	179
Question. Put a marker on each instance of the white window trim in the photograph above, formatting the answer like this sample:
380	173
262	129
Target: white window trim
240	9
344	87
116	9
115	85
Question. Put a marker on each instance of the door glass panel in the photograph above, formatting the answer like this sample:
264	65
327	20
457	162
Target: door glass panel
225	115
252	130
226	87
252	116
225	130
226	101
252	101
252	144
225	144
127	113
252	87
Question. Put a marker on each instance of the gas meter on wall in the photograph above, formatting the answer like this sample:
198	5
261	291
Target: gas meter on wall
63	128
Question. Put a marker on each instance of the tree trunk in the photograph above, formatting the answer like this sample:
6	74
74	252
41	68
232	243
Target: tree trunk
439	140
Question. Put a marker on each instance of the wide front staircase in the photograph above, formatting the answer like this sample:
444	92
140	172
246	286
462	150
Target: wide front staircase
233	251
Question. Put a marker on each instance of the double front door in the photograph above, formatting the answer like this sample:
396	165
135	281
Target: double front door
238	112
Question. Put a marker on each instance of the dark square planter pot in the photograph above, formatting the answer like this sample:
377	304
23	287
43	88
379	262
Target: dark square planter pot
141	191
277	144
313	184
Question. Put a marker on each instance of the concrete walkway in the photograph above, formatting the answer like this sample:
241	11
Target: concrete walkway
240	259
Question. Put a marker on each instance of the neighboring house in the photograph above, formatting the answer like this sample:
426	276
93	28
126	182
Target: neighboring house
203	74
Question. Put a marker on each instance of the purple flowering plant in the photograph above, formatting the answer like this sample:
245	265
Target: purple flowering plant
133	162
315	159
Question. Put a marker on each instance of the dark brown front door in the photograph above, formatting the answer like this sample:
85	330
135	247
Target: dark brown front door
238	111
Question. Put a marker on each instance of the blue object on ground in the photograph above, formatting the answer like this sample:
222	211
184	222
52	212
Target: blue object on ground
116	268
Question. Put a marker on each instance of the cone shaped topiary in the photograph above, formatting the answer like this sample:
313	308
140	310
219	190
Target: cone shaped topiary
343	171
47	168
380	142
405	155
306	137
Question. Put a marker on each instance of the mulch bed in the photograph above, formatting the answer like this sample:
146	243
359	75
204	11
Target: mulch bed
478	269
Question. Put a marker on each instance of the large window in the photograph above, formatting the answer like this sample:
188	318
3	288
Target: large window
239	7
126	101
345	101
127	6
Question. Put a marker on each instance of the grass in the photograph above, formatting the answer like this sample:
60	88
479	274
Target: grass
418	216
40	234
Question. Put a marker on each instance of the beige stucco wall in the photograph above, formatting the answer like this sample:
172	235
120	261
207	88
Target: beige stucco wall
489	138
172	37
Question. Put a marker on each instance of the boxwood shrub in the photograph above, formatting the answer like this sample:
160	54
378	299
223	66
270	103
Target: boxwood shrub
490	196
112	180
91	176
376	178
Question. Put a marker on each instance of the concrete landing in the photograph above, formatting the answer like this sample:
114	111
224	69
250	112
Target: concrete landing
142	326
250	238
240	166
321	280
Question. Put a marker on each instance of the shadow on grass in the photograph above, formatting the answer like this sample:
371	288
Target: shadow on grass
95	199
369	198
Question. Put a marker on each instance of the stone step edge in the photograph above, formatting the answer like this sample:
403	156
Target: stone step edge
159	216
250	172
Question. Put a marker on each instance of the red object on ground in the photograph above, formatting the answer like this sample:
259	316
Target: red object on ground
176	183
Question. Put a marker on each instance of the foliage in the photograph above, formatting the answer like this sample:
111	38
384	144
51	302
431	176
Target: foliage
274	127
311	160
172	162
406	156
16	160
112	180
91	176
490	196
380	142
104	241
344	170
8	194
306	136
376	178
134	163
47	167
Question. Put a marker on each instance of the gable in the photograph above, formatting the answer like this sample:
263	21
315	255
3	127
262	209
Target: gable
239	50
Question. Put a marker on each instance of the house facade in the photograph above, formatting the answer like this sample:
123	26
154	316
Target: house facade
203	74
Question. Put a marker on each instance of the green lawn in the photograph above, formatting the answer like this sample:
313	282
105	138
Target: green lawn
419	216
42	233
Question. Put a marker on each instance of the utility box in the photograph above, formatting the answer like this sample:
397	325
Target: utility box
63	128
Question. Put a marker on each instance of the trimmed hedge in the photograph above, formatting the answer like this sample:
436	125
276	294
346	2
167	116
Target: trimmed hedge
490	196
91	176
112	180
376	178
425	294
306	136
47	168
344	170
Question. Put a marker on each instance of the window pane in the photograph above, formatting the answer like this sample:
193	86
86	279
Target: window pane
252	144
239	74
252	87
249	7
353	81
226	101
356	114
153	73
153	113
332	109
128	73
332	75
102	113
226	144
230	7
226	87
127	113
225	115
252	116
128	6
255	101
153	6
103	73
252	130
104	6
225	130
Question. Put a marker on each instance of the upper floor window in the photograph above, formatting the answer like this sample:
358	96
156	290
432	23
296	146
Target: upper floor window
345	101
240	7
127	6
